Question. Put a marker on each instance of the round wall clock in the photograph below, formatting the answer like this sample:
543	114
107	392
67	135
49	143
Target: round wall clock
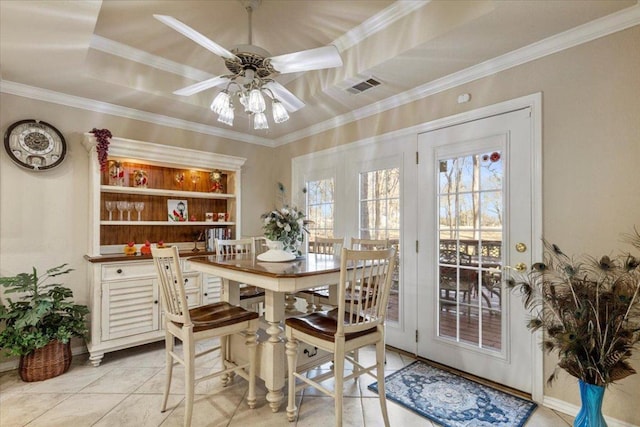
35	145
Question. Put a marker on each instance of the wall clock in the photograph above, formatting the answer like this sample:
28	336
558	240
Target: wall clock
35	145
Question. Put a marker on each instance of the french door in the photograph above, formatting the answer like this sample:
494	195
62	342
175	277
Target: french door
474	219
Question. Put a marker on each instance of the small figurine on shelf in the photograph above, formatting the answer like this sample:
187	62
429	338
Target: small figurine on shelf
216	181
146	248
116	173
130	248
140	178
160	244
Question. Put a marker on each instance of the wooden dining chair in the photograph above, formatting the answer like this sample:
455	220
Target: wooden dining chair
325	246
346	329
321	294
219	319
250	296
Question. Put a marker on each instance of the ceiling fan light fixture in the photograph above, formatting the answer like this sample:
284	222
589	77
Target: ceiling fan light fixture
226	115
260	121
280	114
221	102
256	101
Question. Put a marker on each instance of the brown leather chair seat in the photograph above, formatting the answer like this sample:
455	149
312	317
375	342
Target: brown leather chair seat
322	324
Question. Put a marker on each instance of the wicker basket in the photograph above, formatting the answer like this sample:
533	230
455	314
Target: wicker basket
47	362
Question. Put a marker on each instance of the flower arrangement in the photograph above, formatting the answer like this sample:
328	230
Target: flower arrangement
589	310
285	225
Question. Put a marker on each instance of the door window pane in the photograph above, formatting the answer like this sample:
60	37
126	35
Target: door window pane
470	249
320	207
379	218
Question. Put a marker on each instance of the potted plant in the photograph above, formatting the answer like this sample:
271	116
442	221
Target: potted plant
589	311
38	327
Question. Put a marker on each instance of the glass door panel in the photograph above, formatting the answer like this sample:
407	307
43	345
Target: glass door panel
470	241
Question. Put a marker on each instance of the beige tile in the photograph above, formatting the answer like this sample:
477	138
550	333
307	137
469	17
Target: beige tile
121	380
156	383
261	415
319	411
74	380
545	417
139	410
149	356
209	410
398	415
79	410
18	409
10	383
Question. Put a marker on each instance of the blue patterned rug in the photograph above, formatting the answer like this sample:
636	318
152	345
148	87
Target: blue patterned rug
454	401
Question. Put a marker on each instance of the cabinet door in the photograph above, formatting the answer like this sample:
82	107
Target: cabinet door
212	289
129	308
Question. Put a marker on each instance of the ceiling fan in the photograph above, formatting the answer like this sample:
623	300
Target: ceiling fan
252	69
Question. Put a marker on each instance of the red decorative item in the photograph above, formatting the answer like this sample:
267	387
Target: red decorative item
495	156
146	248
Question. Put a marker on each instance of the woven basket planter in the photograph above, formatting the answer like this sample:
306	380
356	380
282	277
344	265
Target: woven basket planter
47	362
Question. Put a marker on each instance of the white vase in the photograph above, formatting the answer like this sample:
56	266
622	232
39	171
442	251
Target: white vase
276	253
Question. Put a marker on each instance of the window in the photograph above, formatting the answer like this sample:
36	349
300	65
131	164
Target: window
380	204
320	207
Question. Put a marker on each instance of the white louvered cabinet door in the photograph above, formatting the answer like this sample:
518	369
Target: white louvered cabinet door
129	308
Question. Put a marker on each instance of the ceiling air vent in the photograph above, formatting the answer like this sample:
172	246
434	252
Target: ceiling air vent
364	85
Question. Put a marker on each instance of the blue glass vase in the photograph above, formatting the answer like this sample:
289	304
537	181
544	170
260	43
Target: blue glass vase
590	414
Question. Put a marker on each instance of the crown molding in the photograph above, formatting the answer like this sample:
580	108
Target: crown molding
47	95
601	27
122	50
377	22
166	154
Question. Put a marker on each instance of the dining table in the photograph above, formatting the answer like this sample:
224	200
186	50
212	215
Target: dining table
278	279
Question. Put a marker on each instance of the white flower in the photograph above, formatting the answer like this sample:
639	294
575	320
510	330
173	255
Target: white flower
287	228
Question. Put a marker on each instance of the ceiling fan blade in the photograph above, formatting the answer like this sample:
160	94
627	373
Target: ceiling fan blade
200	86
307	60
289	100
189	32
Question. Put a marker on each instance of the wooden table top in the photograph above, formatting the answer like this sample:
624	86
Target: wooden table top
308	265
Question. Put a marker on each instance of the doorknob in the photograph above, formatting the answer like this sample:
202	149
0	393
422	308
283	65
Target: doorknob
521	267
521	247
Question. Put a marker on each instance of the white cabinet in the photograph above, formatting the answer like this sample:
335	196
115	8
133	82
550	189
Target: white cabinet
124	298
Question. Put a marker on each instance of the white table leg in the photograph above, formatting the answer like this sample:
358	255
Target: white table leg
273	350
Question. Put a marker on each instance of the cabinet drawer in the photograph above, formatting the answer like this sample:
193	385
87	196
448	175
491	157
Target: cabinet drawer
128	271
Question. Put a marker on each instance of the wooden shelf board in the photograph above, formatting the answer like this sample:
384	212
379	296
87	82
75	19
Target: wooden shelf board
160	192
171	223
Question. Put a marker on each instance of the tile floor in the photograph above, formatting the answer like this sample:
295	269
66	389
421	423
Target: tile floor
126	390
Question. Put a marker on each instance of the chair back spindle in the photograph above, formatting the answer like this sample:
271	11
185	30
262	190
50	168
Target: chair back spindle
174	300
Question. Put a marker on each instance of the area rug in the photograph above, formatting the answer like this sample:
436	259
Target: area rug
452	400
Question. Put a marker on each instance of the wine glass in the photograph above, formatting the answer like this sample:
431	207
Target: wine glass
139	208
180	178
130	207
110	206
122	206
195	178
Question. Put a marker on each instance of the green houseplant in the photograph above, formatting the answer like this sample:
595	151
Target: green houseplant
38	327
589	311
